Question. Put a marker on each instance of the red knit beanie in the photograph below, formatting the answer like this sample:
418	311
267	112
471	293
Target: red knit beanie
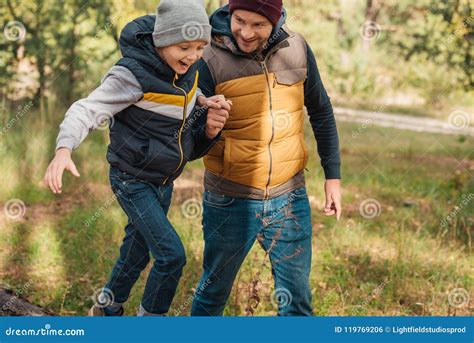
271	9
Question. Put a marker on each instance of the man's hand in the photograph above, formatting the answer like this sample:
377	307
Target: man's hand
332	189
54	173
217	115
201	101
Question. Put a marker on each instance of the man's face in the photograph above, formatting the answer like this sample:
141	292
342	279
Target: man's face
180	57
251	30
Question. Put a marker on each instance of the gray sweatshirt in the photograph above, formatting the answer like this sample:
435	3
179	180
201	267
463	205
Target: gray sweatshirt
118	90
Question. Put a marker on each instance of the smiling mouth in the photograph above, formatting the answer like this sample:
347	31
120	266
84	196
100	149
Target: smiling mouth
248	41
184	65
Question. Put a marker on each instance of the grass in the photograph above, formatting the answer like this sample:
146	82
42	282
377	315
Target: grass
402	261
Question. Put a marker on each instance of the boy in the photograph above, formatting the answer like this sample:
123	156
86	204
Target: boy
151	92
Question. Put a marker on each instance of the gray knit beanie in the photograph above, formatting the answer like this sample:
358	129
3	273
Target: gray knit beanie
181	21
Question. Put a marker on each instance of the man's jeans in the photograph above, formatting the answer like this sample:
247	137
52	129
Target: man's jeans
231	225
148	230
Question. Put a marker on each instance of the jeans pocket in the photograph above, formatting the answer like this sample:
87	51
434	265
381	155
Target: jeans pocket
118	175
217	200
115	180
126	184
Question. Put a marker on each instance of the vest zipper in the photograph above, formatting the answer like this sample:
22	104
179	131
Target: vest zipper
265	70
185	111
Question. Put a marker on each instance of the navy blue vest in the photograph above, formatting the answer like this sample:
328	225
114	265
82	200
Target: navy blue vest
155	138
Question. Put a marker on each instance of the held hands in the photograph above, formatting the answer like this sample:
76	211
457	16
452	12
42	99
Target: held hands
217	114
332	189
54	174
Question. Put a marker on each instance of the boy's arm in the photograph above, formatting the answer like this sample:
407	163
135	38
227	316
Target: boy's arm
321	117
119	89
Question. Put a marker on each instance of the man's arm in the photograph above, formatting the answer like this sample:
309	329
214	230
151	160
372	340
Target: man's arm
321	117
202	143
206	81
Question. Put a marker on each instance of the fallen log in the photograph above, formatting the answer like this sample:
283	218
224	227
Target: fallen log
13	305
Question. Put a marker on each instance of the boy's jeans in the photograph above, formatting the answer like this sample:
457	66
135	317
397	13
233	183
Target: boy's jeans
281	225
148	230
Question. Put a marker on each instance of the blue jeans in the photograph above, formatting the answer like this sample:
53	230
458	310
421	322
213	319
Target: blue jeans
148	231
281	225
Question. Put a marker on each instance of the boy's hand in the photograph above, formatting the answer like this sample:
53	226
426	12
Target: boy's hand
332	189
217	115
54	173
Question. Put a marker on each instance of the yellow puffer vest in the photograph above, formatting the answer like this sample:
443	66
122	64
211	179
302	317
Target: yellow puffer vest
262	144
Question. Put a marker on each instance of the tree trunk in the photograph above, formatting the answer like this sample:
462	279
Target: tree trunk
39	52
71	62
372	10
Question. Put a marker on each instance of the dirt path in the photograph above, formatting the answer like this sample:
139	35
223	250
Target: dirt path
458	125
189	185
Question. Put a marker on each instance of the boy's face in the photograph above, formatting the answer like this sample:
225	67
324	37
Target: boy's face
180	57
251	30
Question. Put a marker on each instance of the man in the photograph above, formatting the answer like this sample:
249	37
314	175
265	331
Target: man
254	178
